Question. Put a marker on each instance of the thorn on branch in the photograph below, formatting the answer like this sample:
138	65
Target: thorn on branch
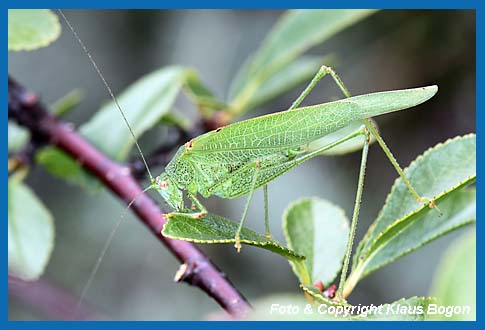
188	270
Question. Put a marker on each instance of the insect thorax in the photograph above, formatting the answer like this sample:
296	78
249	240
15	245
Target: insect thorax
180	170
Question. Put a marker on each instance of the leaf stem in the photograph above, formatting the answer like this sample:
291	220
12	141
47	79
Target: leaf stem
351	281
303	271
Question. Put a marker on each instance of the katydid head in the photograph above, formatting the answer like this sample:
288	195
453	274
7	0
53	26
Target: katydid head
169	191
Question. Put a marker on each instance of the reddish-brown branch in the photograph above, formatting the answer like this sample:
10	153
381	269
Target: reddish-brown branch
25	108
51	300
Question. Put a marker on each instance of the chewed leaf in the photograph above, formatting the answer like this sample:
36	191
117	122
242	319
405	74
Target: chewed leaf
318	230
30	29
214	229
30	232
404	224
143	103
455	282
349	146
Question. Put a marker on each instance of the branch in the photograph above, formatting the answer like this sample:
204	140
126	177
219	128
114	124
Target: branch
160	156
51	300
24	107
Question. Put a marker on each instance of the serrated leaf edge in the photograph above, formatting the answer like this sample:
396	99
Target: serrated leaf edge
289	252
394	185
465	223
370	252
320	298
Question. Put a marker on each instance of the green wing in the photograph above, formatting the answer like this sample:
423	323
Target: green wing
294	128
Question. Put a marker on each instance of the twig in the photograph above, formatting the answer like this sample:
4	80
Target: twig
50	300
25	108
159	157
162	155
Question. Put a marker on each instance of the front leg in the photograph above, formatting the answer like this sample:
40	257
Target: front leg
187	212
202	210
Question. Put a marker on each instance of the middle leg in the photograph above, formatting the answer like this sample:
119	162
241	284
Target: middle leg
266	213
237	237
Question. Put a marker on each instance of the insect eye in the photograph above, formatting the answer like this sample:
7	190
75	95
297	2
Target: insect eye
163	185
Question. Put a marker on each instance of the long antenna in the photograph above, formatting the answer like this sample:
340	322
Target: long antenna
106	246
118	223
68	23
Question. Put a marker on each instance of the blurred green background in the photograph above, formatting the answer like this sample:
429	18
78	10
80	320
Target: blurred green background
389	50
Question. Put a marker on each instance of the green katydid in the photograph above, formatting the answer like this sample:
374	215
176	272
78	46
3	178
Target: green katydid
237	159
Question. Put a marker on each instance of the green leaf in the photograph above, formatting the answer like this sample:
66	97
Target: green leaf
30	29
459	209
17	137
318	230
295	33
213	229
63	166
67	103
349	146
291	307
405	309
200	94
403	225
455	281
320	298
143	103
174	118
299	71
30	233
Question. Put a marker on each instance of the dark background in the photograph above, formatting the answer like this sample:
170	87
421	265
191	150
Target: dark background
388	50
